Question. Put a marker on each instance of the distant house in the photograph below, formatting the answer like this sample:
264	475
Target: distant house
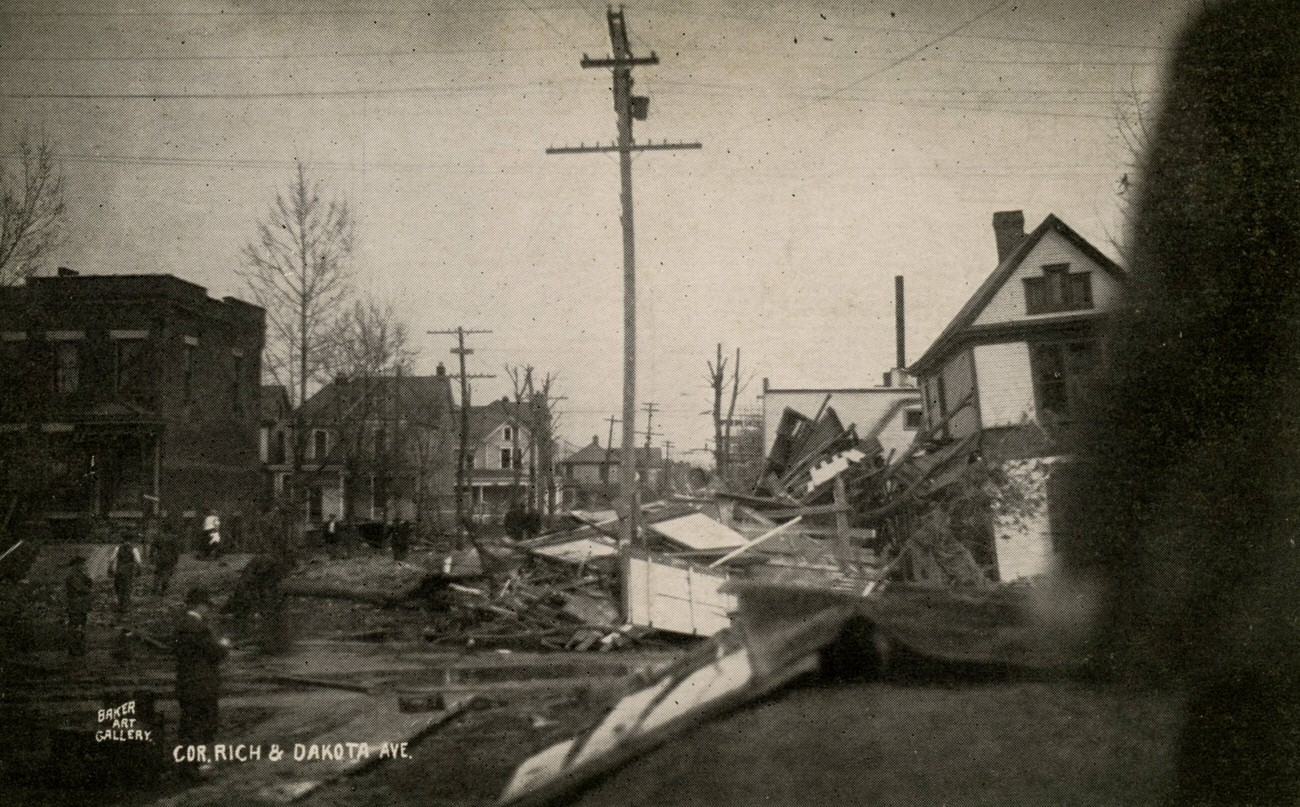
374	447
890	413
592	475
1014	369
506	462
139	392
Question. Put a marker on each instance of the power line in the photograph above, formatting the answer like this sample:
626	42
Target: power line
355	93
324	12
190	57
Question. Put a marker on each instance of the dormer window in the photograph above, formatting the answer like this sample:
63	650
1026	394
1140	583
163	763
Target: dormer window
1058	290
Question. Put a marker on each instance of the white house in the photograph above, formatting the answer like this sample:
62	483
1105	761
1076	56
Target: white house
1016	364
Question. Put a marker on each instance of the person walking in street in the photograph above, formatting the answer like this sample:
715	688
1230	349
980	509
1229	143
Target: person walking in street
123	568
79	588
212	532
199	653
164	556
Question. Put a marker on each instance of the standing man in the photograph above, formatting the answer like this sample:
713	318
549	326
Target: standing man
330	532
79	588
212	529
164	556
515	521
122	568
401	539
199	654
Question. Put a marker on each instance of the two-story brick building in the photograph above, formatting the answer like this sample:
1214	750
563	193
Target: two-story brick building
126	393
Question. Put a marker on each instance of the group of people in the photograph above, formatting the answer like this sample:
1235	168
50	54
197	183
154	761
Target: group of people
125	567
339	539
199	649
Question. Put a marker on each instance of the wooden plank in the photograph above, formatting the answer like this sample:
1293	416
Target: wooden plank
841	524
751	544
818	510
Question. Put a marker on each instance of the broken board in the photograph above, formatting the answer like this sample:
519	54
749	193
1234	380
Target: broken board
720	681
699	532
673	595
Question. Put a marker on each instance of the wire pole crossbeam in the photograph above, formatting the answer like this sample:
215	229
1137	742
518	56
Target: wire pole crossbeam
598	149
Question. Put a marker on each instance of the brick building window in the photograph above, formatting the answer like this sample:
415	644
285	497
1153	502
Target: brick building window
130	371
67	371
237	386
1058	290
191	361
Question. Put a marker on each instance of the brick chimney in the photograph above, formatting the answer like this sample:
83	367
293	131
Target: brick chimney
1009	229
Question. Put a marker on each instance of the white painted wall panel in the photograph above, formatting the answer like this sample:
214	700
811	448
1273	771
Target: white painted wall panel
1006	384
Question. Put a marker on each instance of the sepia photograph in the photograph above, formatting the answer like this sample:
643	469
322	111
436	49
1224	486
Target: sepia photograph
676	403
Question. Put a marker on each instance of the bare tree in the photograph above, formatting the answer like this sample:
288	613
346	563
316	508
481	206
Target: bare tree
298	270
718	382
521	380
31	208
544	422
369	351
1132	135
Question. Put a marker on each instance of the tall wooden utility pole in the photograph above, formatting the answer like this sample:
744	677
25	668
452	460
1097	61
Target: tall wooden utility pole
627	106
464	470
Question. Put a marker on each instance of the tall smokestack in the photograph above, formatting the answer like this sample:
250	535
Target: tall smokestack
1009	229
900	332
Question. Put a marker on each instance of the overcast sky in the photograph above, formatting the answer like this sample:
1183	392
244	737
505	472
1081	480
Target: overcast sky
844	143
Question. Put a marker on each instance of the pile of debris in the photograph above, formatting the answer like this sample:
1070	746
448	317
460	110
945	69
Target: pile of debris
830	513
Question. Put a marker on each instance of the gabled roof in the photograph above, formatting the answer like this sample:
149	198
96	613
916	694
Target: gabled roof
595	454
486	419
984	294
420	398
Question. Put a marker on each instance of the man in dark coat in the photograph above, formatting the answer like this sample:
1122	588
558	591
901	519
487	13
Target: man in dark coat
123	568
79	588
199	654
401	539
165	554
516	521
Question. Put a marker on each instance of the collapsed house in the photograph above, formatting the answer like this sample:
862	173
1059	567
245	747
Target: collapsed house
973	499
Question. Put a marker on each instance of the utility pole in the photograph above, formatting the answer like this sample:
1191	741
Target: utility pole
628	107
464	471
609	449
650	408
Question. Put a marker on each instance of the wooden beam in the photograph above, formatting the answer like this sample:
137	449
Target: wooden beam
841	524
818	510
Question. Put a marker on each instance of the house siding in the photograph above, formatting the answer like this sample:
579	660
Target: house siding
958	384
1006	384
1008	304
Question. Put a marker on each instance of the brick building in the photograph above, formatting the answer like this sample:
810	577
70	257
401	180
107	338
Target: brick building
120	394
